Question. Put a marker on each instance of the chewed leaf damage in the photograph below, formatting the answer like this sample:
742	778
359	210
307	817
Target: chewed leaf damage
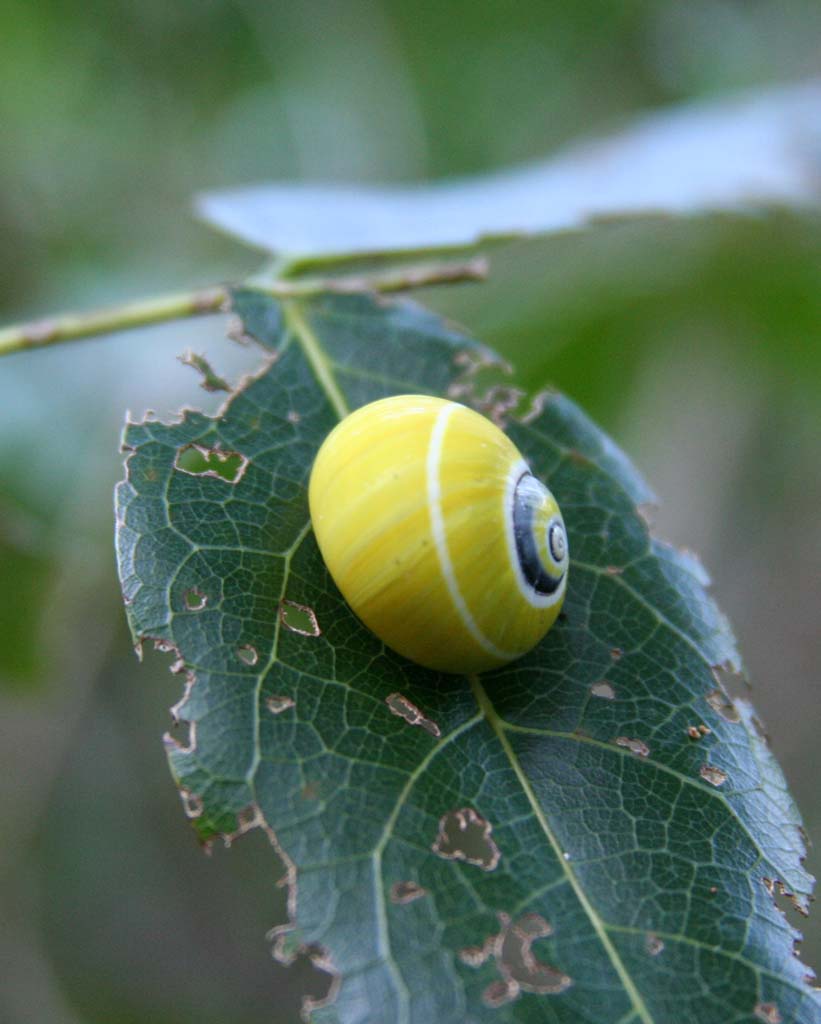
277	703
520	970
465	835
195	460
195	599
637	747
334	740
404	708
191	803
248	654
721	703
407	892
712	774
284	951
209	381
299	618
483	383
251	817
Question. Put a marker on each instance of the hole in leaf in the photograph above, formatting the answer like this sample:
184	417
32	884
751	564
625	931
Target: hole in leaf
616	653
299	618
719	702
760	729
731	680
603	689
637	747
483	384
653	944
192	804
172	743
498	402
519	968
518	961
198	461
465	835
715	776
164	646
293	416
178	709
248	654
537	405
407	892
195	600
402	707
785	901
321	982
277	703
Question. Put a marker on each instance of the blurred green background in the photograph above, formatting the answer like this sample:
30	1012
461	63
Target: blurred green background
696	344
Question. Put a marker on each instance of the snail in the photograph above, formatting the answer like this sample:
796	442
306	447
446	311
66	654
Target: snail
437	534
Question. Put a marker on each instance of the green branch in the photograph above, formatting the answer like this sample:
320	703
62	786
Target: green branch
70	326
144	312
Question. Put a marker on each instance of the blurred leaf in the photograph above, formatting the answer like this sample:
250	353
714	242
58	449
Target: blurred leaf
750	151
588	313
27	573
26	578
639	828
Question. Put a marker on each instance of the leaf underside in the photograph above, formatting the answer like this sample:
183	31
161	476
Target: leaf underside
635	851
740	153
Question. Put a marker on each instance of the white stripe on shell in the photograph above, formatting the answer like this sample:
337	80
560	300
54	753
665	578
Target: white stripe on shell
533	597
440	537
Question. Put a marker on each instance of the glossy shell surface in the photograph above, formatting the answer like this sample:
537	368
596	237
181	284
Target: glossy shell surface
437	534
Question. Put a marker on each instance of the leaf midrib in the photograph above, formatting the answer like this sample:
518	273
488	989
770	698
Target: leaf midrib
496	723
316	356
322	368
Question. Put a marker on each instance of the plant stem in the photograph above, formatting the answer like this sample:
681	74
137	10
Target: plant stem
72	326
339	263
399	280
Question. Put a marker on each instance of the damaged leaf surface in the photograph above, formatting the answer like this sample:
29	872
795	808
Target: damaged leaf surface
646	878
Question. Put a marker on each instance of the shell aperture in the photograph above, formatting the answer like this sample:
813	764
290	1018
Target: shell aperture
541	544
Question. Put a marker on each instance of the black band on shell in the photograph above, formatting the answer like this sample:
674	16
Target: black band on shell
526	500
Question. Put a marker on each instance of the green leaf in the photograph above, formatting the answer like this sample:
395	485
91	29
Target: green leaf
28	577
733	154
28	569
571	799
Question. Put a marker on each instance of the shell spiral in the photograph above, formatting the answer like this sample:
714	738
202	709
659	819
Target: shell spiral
437	534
